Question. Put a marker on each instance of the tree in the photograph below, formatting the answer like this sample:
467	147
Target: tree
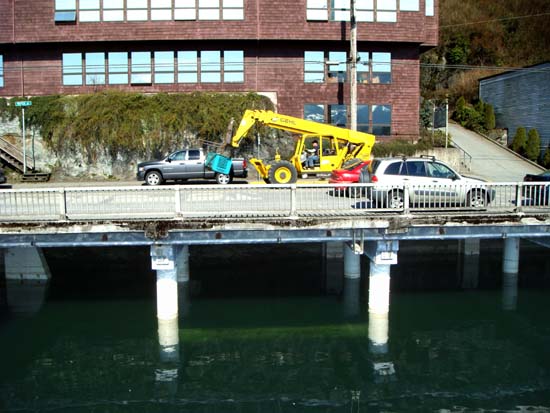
520	141
490	121
546	158
532	149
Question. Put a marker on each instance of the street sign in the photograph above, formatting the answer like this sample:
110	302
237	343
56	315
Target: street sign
23	103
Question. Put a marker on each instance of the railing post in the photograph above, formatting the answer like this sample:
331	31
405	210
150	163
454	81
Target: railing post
406	206
293	201
178	212
62	203
519	200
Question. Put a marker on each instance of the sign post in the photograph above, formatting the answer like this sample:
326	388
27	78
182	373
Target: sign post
22	104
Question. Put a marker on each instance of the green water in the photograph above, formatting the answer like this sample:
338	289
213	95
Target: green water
454	351
449	350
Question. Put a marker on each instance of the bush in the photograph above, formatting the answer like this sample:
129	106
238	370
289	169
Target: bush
532	149
490	121
546	158
519	142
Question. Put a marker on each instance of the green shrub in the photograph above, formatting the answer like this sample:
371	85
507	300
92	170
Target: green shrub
532	148
490	121
519	142
546	158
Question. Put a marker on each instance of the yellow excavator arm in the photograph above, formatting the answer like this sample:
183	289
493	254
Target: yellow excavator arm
356	144
297	125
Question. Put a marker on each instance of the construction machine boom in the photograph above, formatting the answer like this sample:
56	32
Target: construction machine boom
335	145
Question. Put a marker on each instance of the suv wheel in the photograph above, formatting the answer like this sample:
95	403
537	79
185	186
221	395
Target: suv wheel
153	178
223	179
396	200
477	198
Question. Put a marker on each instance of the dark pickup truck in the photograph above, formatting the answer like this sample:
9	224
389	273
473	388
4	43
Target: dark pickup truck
187	164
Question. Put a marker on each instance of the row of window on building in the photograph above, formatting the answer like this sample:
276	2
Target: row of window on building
375	119
117	68
157	10
211	66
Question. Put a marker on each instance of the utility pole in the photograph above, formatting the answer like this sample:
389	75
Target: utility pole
353	68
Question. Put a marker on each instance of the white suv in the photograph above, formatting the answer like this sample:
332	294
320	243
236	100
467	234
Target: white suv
429	183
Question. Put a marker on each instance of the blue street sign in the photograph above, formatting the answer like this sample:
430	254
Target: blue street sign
23	103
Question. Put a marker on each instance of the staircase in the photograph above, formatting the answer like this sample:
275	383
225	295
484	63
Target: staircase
13	156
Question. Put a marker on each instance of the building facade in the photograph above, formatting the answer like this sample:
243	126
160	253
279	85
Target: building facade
294	51
520	99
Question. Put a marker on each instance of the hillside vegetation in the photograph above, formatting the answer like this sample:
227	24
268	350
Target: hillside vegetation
485	33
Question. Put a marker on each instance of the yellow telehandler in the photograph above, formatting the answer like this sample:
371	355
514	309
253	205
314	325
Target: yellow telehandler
334	146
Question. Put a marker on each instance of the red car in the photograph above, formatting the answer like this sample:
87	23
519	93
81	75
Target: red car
349	173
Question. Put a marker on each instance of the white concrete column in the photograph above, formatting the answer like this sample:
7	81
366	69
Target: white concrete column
470	263
182	262
379	288
509	291
163	261
378	333
352	297
352	263
510	261
26	264
168	331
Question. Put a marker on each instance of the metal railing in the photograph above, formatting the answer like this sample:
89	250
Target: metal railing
267	201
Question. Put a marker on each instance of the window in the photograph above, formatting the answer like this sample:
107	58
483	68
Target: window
113	10
430	8
211	67
381	68
137	10
409	5
1	70
88	11
363	67
118	68
233	10
314	67
386	11
65	11
141	68
95	68
416	168
393	168
363	118
317	10
364	10
340	10
337	66
338	115
72	69
381	120
194	154
164	67
187	67
209	9
161	9
233	66
184	10
315	113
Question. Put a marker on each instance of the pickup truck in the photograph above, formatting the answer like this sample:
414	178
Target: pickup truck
187	164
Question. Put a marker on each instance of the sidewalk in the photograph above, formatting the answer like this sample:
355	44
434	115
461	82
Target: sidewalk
489	160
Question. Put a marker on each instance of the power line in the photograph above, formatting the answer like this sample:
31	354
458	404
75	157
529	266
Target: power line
496	20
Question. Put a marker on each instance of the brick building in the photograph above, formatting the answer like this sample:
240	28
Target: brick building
293	51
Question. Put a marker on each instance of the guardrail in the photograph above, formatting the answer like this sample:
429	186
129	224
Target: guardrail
267	201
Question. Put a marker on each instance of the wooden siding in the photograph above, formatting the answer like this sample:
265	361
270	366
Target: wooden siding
520	99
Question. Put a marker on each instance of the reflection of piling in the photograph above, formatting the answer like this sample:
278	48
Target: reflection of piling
510	268
378	333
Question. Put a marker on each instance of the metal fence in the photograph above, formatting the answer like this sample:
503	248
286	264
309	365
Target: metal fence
268	201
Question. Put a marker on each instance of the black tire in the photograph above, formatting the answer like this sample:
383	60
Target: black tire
283	172
396	199
477	198
154	178
224	179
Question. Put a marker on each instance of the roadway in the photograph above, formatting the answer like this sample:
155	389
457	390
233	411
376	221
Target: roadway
490	160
